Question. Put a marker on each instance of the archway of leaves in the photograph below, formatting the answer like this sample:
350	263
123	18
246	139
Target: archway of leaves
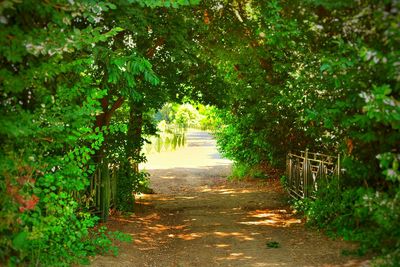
78	80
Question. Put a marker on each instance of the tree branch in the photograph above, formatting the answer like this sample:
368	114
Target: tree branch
110	112
152	50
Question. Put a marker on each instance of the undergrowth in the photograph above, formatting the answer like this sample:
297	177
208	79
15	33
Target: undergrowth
364	215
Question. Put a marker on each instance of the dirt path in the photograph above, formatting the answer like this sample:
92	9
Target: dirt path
197	218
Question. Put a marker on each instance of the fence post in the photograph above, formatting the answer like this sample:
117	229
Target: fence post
338	170
113	184
287	166
290	176
105	190
288	173
305	174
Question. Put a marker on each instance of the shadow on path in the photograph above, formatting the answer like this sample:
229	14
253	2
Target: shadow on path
198	218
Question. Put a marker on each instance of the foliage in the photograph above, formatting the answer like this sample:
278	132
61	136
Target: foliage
102	241
324	76
80	83
359	214
48	102
77	85
51	94
365	116
142	183
139	183
273	244
242	171
208	117
186	116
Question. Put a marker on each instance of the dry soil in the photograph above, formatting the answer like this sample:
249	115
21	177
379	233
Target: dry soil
198	218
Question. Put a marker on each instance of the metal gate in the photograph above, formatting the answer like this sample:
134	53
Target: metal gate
304	171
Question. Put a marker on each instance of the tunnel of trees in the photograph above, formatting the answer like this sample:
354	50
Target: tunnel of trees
79	80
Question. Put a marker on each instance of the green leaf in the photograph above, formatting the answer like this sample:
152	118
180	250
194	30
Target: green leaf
273	244
20	241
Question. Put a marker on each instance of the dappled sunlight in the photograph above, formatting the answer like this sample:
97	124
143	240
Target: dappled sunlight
168	177
152	236
235	256
240	236
143	203
197	216
188	220
155	234
190	236
226	191
350	263
158	228
184	197
148	198
230	213
275	218
135	219
222	246
186	235
153	230
207	190
254	233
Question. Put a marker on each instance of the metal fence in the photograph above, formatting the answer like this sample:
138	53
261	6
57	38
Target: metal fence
305	171
103	188
100	195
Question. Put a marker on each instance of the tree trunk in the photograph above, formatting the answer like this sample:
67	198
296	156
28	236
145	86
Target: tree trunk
105	190
134	136
129	171
100	158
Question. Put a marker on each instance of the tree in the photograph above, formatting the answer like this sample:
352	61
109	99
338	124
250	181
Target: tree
47	107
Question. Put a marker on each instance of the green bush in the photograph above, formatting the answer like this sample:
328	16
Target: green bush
47	113
241	171
360	214
323	76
